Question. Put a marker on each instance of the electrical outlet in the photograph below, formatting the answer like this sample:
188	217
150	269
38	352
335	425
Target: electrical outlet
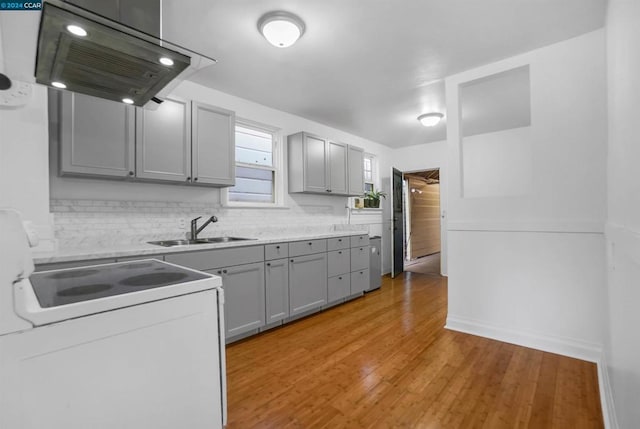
182	223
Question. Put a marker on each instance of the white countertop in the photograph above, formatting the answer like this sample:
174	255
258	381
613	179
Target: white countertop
145	249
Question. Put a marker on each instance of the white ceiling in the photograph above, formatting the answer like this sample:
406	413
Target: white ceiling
368	67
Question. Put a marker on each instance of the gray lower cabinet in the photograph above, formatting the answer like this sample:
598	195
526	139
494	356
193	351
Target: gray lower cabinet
163	142
213	145
307	282
277	289
244	297
96	136
359	281
339	287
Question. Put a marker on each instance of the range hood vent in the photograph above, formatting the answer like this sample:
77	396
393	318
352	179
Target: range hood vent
112	61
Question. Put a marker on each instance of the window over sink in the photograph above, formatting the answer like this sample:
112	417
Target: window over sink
258	166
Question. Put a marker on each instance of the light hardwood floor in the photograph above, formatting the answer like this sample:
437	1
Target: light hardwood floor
385	360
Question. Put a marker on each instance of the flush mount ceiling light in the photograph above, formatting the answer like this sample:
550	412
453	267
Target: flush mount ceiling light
430	119
76	30
280	28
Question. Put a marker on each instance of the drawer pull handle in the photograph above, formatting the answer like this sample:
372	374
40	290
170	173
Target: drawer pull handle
339	253
219	271
292	260
224	271
277	247
268	264
339	278
310	243
340	240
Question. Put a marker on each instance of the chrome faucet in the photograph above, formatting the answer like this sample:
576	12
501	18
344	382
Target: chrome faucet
194	226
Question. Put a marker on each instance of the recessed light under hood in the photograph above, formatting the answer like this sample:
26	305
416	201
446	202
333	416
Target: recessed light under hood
112	60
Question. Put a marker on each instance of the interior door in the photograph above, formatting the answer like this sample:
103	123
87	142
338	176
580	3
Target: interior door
397	223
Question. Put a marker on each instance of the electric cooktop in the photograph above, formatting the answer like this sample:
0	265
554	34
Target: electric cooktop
68	286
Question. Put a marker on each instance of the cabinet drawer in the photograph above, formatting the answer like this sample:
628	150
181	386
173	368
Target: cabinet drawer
360	258
211	259
359	281
339	287
337	243
360	240
276	251
339	262
299	248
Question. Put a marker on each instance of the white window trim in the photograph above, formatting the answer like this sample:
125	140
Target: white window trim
278	185
374	169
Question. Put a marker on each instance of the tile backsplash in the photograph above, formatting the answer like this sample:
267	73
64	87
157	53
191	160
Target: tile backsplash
89	222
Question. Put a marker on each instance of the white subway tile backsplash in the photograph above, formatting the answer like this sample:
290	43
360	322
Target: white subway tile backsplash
87	222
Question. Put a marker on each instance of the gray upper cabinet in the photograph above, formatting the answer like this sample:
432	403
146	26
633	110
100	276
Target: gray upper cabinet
163	136
96	136
213	145
320	166
337	167
356	170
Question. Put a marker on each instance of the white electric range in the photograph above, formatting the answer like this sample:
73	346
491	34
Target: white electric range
126	345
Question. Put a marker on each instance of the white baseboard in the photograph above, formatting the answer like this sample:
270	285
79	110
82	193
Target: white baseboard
606	395
547	343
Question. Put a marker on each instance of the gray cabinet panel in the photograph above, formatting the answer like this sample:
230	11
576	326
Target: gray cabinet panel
338	243
299	248
277	289
359	281
307	282
315	164
97	136
276	251
356	170
360	240
338	287
163	136
213	145
337	168
339	262
360	258
210	259
244	308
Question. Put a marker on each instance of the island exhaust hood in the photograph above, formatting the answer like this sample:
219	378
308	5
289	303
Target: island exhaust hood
87	53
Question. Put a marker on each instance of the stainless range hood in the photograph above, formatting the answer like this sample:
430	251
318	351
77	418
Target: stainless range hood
111	60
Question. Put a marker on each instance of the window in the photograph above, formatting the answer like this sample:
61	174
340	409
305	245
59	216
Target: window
257	162
369	174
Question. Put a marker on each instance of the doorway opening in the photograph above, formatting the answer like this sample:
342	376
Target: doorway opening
422	244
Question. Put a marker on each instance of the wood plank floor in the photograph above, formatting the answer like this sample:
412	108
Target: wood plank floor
385	360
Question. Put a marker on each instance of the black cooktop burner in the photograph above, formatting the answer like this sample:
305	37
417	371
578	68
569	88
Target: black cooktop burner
61	287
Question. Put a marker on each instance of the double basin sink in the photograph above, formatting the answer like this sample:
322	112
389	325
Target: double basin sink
172	243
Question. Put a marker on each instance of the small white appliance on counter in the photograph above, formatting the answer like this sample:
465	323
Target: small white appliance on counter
132	345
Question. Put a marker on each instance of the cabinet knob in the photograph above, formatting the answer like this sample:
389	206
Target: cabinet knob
131	173
195	179
310	243
339	278
328	190
188	179
340	240
219	271
268	264
224	271
292	260
277	247
340	253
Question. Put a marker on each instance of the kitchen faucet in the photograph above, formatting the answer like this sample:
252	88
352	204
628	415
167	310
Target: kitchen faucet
194	226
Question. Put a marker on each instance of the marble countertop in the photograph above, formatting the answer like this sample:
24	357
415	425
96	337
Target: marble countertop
144	249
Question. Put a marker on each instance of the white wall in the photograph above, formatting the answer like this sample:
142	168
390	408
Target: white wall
622	349
426	156
528	266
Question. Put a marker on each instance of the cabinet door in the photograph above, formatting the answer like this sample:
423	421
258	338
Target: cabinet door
163	137
337	168
356	170
97	136
359	281
360	258
277	289
244	302
338	262
213	145
307	282
315	164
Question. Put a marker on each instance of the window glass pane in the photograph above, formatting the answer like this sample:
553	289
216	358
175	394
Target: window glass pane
254	146
368	187
252	184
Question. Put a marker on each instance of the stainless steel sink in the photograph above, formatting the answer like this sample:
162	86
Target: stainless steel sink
172	243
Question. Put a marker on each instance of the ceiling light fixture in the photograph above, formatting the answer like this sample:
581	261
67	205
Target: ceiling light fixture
166	61
127	101
76	30
430	119
280	28
59	85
